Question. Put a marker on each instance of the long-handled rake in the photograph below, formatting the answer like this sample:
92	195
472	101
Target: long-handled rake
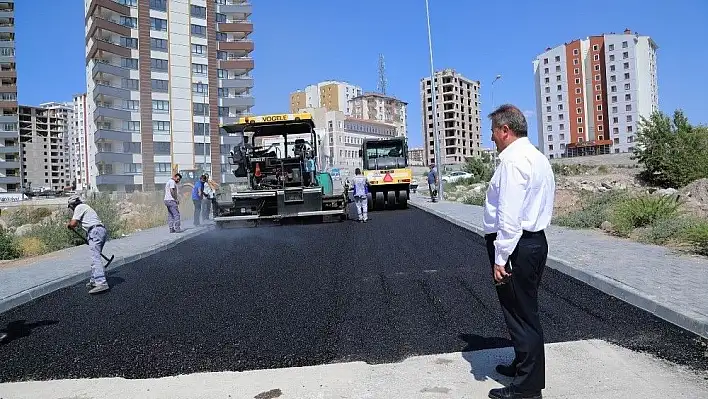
87	243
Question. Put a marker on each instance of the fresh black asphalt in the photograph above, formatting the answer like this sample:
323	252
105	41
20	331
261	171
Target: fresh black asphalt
406	283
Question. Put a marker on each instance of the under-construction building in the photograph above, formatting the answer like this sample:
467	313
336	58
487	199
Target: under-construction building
43	147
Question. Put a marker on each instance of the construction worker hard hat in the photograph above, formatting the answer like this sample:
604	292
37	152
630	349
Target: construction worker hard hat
74	200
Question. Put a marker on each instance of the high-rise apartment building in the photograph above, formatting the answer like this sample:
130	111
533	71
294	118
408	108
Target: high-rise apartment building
330	95
591	93
82	147
416	156
43	140
162	76
458	117
10	160
64	111
378	107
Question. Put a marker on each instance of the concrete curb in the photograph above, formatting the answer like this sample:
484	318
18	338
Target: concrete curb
66	281
688	320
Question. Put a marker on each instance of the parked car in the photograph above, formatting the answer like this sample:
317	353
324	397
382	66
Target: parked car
455	176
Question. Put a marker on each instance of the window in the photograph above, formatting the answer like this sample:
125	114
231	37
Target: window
562	127
598	98
132	168
550	137
198	30
131	147
160	86
626	76
157	64
224	74
223	92
597	67
161	147
159	5
198	11
160	106
200	69
221	55
220	18
578	111
158	44
558	78
558	58
131	126
580	120
129	42
626	65
577	81
549	128
612	68
163	167
161	126
596	57
548	109
625	55
221	37
598	88
614	110
575	61
613	78
576	71
624	44
200	129
612	47
545	61
130	63
200	148
627	97
546	80
577	90
626	86
559	88
200	88
549	118
198	49
158	24
595	47
548	99
558	68
550	147
628	107
614	99
560	117
575	51
223	111
560	97
597	78
578	100
560	108
599	117
133	105
130	22
612	57
629	129
580	130
545	70
201	109
130	84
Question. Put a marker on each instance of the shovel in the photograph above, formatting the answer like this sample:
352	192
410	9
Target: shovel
102	255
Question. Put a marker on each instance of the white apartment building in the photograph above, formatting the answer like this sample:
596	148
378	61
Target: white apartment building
381	108
10	156
82	149
162	76
591	93
458	116
331	95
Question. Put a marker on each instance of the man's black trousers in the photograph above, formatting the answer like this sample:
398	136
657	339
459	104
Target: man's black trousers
519	302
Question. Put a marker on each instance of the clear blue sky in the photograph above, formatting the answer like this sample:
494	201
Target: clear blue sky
299	43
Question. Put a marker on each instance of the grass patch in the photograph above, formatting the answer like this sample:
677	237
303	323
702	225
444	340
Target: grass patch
697	236
597	209
475	197
642	211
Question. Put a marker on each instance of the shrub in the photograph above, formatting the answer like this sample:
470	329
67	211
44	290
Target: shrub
481	167
603	169
475	197
8	246
569	170
597	208
643	211
28	215
697	237
31	246
54	234
109	213
667	230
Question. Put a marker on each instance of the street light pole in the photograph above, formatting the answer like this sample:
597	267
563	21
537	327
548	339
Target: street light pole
204	126
436	132
495	79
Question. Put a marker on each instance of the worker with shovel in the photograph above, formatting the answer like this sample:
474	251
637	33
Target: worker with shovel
97	236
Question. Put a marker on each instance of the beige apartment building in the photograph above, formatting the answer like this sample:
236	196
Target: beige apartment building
378	107
416	156
10	160
457	107
331	95
162	76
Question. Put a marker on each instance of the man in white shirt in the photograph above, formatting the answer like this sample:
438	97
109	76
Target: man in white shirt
518	208
97	235
172	203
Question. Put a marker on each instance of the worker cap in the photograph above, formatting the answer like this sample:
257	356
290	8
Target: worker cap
73	200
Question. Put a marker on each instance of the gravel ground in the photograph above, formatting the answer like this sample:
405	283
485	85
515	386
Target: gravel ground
406	283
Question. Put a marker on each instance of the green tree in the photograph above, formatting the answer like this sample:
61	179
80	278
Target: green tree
673	152
481	167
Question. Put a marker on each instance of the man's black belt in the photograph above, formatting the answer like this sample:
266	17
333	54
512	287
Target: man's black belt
92	227
524	234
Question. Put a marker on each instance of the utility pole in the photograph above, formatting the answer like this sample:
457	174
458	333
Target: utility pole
436	132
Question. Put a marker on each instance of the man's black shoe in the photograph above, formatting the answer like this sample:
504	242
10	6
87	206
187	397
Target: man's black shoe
507	370
511	393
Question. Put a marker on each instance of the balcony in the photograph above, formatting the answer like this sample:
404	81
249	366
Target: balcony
241	66
10	180
107	4
114	157
113	135
115	113
238	83
238	102
110	69
111	91
239	29
4	104
8	74
4	165
8	88
7	28
12	149
112	26
113	48
115	179
240	47
244	9
8	119
7	59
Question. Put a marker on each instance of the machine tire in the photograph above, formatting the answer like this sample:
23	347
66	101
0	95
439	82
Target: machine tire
403	199
369	202
390	200
379	202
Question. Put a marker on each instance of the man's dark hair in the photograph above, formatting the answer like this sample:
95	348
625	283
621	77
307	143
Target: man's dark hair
511	116
178	175
357	171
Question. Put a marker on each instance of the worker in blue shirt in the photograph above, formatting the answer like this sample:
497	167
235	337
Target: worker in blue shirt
361	190
197	196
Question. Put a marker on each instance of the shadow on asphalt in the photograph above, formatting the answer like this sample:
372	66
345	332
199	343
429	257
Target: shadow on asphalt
20	328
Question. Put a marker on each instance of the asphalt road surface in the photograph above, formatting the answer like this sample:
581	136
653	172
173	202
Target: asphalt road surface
406	283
